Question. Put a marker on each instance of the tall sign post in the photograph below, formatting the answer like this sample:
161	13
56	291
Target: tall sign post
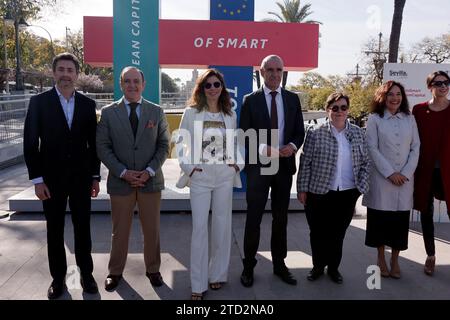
136	38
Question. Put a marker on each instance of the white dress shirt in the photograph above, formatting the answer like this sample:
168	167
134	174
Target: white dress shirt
280	114
68	106
343	175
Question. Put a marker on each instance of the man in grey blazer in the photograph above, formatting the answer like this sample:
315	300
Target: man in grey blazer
133	143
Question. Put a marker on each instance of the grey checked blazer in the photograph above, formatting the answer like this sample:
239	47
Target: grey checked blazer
118	149
319	157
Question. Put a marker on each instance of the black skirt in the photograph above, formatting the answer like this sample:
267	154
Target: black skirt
387	228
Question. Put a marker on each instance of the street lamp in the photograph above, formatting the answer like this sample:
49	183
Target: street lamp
18	23
49	35
5	63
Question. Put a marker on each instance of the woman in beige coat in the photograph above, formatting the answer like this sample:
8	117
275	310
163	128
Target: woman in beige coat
393	142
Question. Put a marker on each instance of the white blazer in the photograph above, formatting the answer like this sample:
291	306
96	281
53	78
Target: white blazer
189	144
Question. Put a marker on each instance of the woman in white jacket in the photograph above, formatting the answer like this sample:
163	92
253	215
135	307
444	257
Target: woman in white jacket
393	142
210	162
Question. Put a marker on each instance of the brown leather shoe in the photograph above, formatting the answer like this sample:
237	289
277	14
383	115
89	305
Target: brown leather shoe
155	279
112	282
429	265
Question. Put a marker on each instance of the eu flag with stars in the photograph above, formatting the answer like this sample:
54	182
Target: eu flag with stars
232	10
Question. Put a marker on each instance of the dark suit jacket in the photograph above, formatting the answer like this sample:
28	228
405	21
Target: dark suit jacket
255	114
60	155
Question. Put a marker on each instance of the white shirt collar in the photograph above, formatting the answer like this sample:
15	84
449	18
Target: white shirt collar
60	94
267	91
128	102
333	128
388	115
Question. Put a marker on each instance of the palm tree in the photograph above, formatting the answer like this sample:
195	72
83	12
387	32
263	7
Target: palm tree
292	11
396	29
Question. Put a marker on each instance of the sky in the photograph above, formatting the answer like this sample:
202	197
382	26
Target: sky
346	25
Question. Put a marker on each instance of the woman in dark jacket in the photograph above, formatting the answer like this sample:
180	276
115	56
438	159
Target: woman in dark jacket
432	177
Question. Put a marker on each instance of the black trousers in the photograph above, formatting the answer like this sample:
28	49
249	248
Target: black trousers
329	216
257	194
426	218
79	198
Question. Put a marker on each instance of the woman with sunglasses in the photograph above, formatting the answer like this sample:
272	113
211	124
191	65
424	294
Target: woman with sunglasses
394	144
208	157
334	170
433	172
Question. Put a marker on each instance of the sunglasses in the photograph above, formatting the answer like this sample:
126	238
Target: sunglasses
336	108
216	85
439	84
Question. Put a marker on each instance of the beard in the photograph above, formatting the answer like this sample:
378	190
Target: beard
65	83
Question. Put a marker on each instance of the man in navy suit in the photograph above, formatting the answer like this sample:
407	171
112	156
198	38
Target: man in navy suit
270	109
60	154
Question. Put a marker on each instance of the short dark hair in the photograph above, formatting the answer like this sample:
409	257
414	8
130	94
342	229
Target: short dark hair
126	69
433	75
379	99
332	98
66	56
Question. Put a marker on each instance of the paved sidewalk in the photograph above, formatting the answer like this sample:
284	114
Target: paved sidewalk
24	269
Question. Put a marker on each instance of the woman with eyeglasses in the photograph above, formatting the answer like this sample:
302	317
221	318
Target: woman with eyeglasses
393	143
210	162
334	170
432	176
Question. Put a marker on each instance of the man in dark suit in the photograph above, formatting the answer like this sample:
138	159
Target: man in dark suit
270	109
133	143
60	154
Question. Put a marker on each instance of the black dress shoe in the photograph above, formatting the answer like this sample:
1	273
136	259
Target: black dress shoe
112	282
247	278
155	279
88	284
56	289
314	274
285	275
335	276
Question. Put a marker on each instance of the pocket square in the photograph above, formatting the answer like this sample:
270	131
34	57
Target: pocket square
150	124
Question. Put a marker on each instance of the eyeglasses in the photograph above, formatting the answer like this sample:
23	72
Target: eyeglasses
216	85
439	84
336	108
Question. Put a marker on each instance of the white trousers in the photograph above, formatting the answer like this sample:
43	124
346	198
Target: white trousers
211	189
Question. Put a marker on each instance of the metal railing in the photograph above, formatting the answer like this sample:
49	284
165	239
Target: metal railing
12	117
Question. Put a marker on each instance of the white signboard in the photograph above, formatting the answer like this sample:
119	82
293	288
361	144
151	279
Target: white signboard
413	77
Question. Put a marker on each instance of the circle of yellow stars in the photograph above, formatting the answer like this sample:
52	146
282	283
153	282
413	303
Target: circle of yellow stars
232	12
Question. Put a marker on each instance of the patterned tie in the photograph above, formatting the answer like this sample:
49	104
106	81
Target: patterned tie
134	121
273	111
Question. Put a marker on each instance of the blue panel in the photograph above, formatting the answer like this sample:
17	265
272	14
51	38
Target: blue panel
239	80
232	10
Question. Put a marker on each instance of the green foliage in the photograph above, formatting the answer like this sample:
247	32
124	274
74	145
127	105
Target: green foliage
168	84
27	9
293	11
316	89
360	99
